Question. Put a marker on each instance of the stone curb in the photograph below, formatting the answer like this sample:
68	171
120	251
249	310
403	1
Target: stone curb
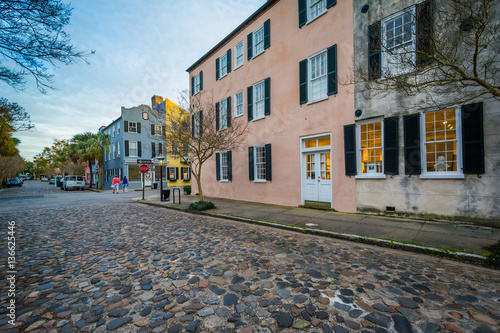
464	257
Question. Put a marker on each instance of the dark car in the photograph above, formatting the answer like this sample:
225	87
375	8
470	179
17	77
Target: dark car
14	182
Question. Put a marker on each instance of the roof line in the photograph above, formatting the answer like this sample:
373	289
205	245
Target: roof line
262	9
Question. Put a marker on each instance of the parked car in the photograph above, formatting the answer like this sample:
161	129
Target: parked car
28	178
52	181
73	182
44	179
21	179
14	182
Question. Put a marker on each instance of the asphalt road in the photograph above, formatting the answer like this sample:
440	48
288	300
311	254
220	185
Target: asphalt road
96	262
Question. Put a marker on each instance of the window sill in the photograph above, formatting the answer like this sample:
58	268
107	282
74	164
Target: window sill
442	176
237	116
312	20
224	181
260	181
318	100
257	119
196	93
371	176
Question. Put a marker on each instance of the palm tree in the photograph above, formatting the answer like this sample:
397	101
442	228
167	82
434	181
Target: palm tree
90	147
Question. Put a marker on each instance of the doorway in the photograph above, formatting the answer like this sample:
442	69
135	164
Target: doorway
316	170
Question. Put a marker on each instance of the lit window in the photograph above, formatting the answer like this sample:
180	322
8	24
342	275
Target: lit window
317	77
316	8
370	147
145	116
239	54
260	162
238	105
258	41
258	100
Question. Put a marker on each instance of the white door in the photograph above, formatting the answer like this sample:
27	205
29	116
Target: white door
317	177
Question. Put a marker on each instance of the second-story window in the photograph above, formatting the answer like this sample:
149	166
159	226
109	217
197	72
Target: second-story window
317	79
238	104
239	54
132	127
316	8
258	40
223	114
259	96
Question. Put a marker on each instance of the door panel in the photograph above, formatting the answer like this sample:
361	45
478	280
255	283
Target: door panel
311	184
317	177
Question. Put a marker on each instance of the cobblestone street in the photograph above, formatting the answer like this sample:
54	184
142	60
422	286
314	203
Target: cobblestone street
129	267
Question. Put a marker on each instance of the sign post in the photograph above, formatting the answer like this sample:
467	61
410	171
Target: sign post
143	169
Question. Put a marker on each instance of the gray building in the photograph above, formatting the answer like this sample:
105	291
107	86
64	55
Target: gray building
138	134
434	153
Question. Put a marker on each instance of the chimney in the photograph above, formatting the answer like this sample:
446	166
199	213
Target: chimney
156	100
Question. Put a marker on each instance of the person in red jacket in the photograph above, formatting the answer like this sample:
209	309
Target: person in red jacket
116	185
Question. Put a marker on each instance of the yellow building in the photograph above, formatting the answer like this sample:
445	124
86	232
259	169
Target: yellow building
178	165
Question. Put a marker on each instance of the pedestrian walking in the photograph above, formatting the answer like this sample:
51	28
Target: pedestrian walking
124	184
116	185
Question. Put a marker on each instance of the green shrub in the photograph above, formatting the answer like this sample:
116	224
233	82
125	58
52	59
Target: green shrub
187	189
494	258
201	206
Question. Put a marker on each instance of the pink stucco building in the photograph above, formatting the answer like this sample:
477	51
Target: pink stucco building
284	71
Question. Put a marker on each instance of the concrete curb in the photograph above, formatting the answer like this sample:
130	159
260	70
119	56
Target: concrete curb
464	257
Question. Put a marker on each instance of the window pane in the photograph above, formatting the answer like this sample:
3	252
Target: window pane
311	143
371	147
324	142
133	173
441	154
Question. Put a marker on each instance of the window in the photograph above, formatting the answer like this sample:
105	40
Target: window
196	124
238	50
399	43
158	130
118	128
186	173
185	151
158	149
238	105
318	77
174	127
145	116
175	149
258	101
315	8
118	149
224	167
260	163
133	173
132	126
223	114
132	148
197	84
172	173
370	149
441	140
258	40
223	66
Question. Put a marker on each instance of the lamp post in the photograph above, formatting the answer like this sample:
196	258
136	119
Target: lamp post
160	160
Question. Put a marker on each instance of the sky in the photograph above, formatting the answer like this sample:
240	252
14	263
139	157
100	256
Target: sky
143	48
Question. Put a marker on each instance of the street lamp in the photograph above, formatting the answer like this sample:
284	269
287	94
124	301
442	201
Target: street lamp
160	160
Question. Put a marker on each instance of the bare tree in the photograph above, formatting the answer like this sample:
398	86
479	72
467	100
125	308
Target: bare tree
195	134
10	166
457	52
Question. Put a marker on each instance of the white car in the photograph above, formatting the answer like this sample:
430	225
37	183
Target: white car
73	182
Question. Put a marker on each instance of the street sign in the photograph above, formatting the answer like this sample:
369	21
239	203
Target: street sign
144	161
143	168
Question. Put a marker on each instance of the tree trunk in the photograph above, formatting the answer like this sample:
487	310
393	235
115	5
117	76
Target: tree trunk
198	182
101	164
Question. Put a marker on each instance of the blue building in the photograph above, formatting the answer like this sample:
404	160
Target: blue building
138	134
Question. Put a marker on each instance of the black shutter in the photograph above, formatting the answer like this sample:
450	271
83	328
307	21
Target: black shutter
160	149
267	34
217	165
350	150
424	31
176	173
250	102
267	93
413	165
228	111
269	173
228	59
163	130
250	163
217	122
330	3
201	80
302	12
192	86
182	173
473	138
303	81
152	129
125	126
217	66
153	150
201	121
229	166
138	127
126	148
374	51
192	125
250	46
139	149
332	70
391	146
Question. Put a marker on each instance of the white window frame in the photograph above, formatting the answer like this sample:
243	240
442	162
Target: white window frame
423	152
377	175
197	83
386	53
223	167
223	115
130	127
263	101
239	56
310	3
118	128
118	148
196	125
255	164
236	113
130	149
255	43
309	77
221	68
